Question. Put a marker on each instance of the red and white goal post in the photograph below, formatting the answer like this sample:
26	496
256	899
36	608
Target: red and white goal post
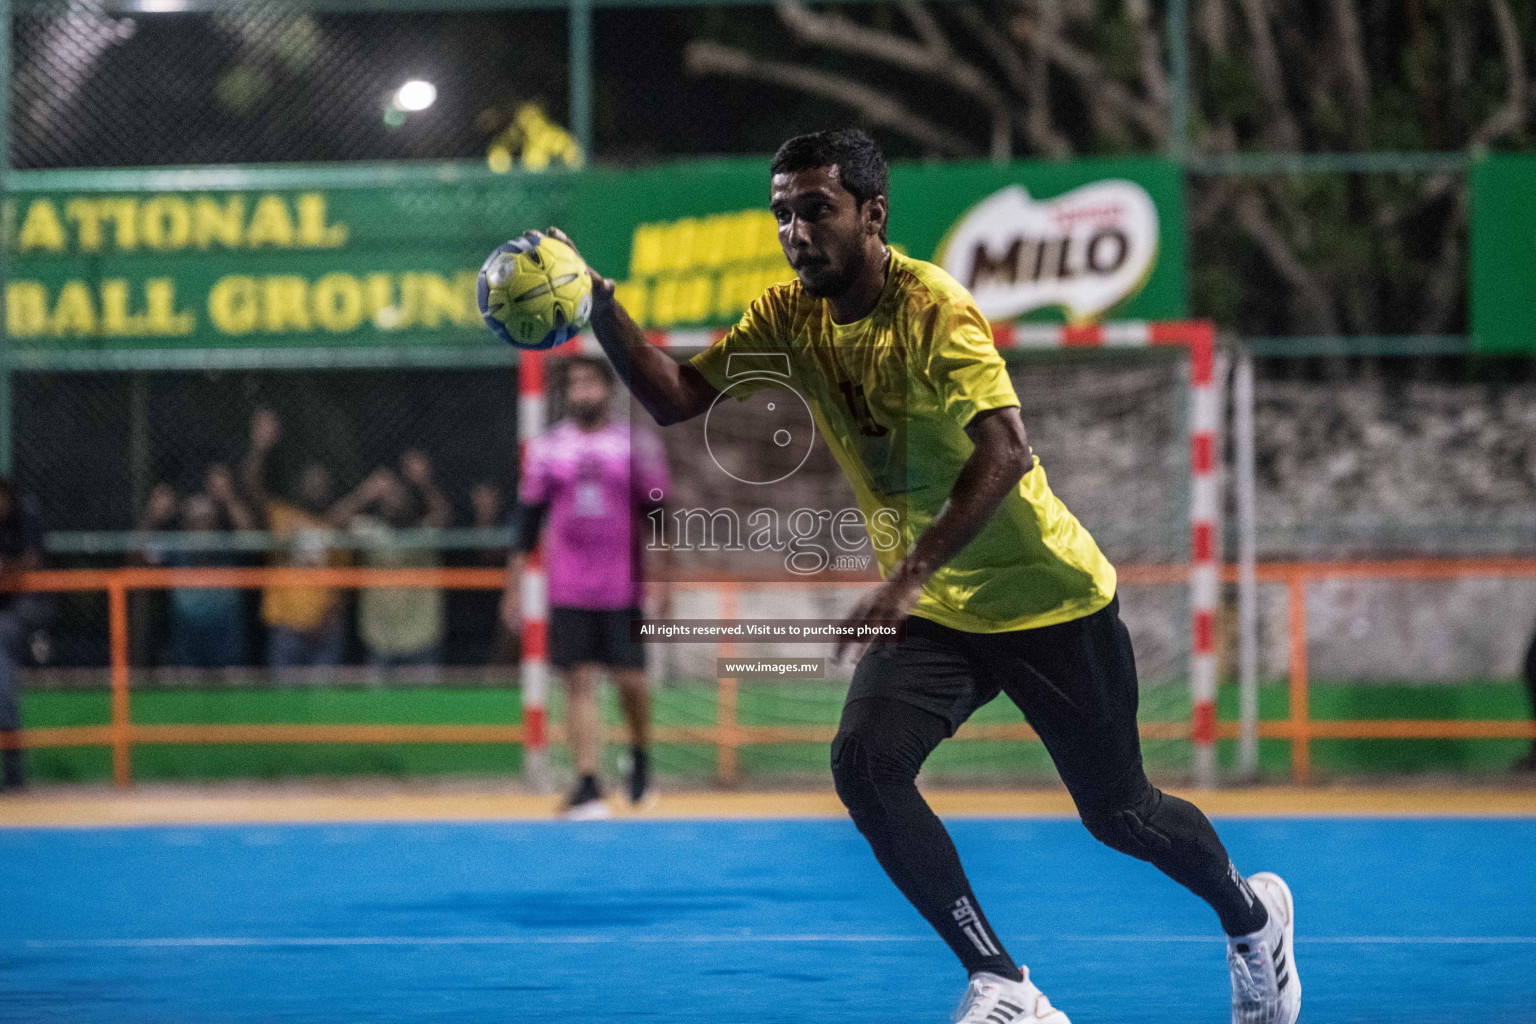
1198	337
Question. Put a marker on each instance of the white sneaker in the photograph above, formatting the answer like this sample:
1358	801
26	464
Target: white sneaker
1265	986
587	810
996	1000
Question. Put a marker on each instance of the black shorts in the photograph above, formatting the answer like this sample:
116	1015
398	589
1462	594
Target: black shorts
585	636
1075	683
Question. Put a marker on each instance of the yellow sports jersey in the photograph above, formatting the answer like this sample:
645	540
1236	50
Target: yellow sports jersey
892	394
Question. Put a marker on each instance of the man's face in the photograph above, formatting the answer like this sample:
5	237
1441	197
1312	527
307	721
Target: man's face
200	513
823	229
586	393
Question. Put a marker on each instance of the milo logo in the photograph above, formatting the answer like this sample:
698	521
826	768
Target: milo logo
1085	251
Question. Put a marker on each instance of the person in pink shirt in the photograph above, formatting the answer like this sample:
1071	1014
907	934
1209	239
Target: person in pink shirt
587	485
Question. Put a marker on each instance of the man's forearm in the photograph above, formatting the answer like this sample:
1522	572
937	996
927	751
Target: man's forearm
239	516
984	481
656	379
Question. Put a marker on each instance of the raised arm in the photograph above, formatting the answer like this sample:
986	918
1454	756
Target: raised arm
221	486
266	428
360	497
670	391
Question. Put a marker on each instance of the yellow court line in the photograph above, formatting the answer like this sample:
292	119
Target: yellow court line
148	807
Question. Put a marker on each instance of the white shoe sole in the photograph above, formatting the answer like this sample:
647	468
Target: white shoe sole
1001	1015
1054	1017
592	810
1279	897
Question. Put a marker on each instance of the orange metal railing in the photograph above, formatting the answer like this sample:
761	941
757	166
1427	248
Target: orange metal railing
727	735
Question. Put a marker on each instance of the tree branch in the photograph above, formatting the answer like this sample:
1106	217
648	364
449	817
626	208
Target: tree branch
703	57
1266	67
1446	275
934	58
1312	307
1149	42
1509	118
926	26
1211	24
1102	93
1357	79
1029	77
1209	201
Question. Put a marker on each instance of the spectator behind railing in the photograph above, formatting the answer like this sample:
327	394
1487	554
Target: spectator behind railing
399	626
207	623
305	624
21	550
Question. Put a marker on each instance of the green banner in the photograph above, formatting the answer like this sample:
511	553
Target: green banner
1504	254
387	255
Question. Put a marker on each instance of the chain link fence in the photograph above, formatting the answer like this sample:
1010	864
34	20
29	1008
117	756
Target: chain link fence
262	83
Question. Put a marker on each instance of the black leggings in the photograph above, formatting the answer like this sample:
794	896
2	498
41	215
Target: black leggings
1076	684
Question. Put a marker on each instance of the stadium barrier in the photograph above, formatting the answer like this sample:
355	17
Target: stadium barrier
727	734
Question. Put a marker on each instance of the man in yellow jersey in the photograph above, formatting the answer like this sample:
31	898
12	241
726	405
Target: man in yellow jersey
1000	587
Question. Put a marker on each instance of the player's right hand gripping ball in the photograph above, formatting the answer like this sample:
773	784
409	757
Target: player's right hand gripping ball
535	292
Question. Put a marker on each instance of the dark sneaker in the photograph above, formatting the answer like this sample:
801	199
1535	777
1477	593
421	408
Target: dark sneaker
585	802
640	778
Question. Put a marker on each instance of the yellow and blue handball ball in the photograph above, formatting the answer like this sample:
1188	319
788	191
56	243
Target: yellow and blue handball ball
535	292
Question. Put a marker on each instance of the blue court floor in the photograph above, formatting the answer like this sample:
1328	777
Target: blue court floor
1421	921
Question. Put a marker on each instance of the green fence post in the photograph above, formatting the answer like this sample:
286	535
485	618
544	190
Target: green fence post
580	15
1178	80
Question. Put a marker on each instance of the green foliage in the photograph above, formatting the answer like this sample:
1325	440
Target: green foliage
1229	87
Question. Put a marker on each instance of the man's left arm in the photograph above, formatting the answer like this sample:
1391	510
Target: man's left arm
998	462
957	355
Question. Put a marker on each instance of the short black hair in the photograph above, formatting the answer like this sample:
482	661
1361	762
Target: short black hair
860	164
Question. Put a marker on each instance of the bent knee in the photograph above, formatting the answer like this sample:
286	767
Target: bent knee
865	774
850	765
1128	825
